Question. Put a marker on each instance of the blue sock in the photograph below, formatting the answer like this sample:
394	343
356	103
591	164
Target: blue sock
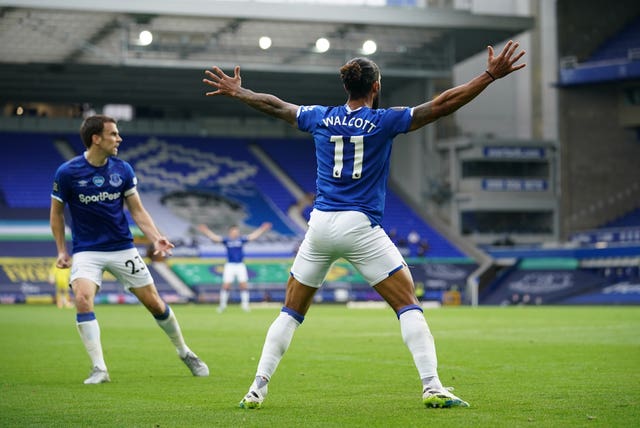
295	315
85	316
164	315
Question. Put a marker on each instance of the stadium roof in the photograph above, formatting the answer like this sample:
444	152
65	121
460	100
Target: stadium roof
78	51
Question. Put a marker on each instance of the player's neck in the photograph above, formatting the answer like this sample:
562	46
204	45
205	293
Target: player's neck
94	158
356	104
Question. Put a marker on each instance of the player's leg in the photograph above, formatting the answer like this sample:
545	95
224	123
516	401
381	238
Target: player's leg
310	267
243	283
68	303
89	329
224	296
86	277
382	265
228	276
279	336
132	272
398	291
60	302
298	298
167	321
244	296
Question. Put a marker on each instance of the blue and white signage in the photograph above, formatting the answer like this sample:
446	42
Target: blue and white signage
513	152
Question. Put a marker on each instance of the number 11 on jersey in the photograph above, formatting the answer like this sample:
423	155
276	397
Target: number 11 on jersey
358	142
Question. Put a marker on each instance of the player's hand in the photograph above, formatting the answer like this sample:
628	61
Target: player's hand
503	64
162	247
267	226
63	261
203	228
223	84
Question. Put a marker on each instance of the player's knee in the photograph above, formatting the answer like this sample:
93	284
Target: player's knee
84	302
155	305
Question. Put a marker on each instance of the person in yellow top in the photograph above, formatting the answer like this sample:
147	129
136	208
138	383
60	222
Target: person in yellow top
60	278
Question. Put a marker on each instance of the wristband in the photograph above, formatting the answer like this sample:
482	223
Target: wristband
493	79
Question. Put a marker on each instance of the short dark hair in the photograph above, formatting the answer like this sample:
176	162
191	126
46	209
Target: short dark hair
358	76
93	125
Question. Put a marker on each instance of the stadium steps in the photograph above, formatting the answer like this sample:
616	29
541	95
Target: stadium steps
174	280
284	201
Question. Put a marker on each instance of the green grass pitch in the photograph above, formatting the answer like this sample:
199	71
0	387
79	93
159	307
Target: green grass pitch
516	366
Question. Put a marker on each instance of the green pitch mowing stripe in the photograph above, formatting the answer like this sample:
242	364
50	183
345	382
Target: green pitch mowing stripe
516	366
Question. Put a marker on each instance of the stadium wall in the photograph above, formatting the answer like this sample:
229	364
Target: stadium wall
599	159
599	174
411	162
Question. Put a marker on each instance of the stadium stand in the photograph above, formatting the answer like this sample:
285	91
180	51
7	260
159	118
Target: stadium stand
167	164
623	45
27	167
624	230
170	163
617	58
295	157
630	219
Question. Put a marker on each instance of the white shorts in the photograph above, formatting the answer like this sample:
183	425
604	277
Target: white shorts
233	271
348	235
126	265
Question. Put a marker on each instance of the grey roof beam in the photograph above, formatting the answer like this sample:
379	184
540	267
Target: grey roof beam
449	19
90	45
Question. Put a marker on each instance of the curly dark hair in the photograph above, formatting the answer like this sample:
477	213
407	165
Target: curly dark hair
358	76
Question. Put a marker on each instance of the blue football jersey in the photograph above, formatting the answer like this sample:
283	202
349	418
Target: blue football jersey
235	253
353	148
95	197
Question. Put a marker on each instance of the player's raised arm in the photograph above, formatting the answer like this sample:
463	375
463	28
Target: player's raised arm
209	233
232	87
454	98
264	227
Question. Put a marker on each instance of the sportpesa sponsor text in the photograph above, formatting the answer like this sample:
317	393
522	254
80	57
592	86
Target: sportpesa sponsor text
100	197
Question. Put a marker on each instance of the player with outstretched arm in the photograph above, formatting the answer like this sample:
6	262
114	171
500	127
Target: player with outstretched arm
96	185
234	268
353	145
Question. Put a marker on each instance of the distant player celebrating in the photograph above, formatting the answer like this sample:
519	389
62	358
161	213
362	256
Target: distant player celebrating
95	186
234	269
353	146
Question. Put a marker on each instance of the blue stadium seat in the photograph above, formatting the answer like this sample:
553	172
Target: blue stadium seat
27	167
630	219
618	46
